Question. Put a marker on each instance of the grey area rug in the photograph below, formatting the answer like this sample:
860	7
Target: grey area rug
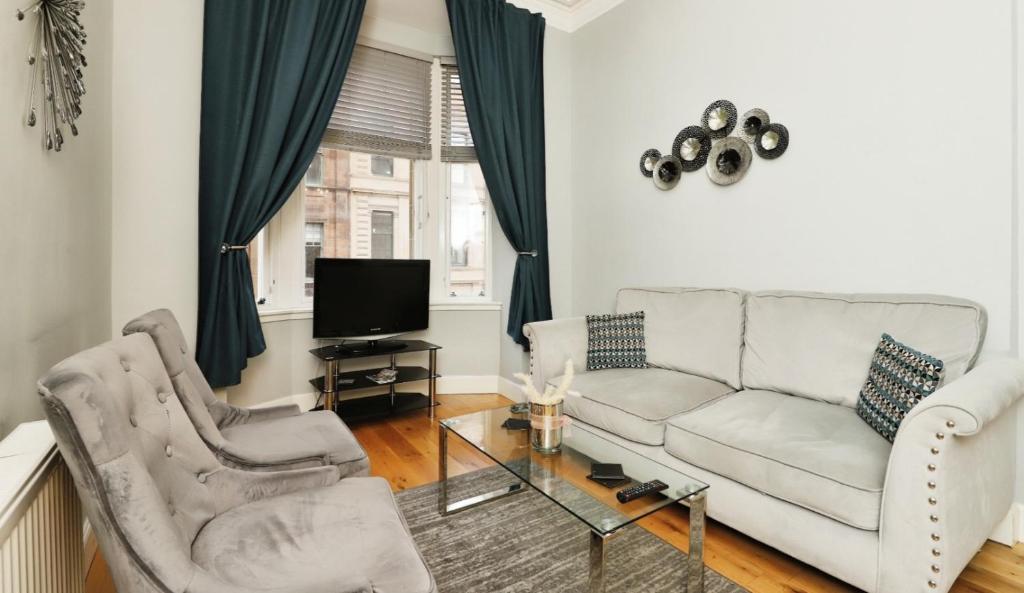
525	543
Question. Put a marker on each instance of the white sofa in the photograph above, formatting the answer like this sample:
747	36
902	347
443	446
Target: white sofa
755	394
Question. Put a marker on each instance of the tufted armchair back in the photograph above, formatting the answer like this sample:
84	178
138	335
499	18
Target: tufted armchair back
148	483
132	448
208	413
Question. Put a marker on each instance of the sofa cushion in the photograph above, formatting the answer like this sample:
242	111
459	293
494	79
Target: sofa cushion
694	330
899	378
820	345
634	403
820	456
616	341
324	539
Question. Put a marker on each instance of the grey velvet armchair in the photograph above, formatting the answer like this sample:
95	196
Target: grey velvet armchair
280	437
170	518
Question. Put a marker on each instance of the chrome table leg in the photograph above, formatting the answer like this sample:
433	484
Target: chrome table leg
432	382
442	469
443	506
598	555
695	559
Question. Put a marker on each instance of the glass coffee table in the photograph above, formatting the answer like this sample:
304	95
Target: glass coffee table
562	477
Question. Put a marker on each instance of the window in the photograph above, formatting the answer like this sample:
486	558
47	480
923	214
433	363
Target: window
382	166
381	187
315	173
467	231
314	249
382	235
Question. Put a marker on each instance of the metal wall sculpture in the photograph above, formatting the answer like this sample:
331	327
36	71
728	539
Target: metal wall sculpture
710	145
56	58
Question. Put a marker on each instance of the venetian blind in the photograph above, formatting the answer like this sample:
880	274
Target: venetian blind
456	139
384	106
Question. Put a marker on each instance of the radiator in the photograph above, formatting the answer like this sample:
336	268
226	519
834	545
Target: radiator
41	548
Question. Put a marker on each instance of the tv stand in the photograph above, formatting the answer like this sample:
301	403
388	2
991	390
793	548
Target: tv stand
334	382
371	347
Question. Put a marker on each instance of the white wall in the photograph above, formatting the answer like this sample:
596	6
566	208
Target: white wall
157	85
469	357
55	227
900	174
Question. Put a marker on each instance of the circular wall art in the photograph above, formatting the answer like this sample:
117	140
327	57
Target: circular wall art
751	123
772	141
691	147
719	118
648	160
728	161
667	172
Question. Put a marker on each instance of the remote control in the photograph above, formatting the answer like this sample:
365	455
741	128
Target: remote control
633	492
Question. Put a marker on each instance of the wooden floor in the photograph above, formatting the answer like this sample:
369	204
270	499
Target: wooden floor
404	450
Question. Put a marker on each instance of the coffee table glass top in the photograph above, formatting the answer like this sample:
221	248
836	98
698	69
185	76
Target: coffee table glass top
562	476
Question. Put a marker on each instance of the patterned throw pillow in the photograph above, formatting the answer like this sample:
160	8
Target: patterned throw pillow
616	342
899	378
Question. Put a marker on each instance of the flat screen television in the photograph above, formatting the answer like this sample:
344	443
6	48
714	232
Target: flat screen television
364	298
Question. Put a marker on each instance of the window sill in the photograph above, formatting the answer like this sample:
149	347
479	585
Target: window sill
274	315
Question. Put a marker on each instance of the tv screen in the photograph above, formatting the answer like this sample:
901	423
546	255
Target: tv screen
368	297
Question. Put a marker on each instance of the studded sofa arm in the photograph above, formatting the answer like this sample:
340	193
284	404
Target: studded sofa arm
552	343
950	479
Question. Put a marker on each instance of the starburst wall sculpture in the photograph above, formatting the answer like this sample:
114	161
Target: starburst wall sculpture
56	58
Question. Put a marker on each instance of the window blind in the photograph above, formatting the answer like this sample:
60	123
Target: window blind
384	106
456	139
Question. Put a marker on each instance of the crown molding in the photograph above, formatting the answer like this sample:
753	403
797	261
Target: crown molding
568	18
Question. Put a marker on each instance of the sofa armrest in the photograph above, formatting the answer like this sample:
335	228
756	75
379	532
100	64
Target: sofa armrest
552	343
950	479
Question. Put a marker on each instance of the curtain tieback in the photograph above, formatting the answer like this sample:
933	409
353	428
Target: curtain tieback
530	253
225	248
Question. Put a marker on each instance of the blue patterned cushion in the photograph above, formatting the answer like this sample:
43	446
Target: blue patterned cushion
616	342
899	378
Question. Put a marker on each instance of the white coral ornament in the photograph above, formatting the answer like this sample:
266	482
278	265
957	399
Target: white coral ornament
552	395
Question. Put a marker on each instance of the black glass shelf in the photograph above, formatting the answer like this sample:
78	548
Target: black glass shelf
406	374
380	406
385	348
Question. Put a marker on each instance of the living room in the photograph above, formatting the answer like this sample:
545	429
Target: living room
211	177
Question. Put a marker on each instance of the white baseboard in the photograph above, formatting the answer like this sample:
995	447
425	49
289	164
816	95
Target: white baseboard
510	389
1011	529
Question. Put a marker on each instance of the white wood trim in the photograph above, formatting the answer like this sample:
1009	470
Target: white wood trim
567	18
452	385
510	389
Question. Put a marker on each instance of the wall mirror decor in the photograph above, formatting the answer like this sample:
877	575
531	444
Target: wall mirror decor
719	118
648	160
56	58
772	141
667	172
728	161
710	145
751	123
691	147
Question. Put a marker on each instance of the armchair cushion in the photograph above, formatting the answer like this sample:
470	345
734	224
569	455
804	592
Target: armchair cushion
313	539
635	403
318	437
820	456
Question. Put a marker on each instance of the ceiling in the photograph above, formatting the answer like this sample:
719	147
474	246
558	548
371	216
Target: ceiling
432	16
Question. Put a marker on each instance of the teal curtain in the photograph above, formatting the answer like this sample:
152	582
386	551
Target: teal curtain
272	71
500	50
